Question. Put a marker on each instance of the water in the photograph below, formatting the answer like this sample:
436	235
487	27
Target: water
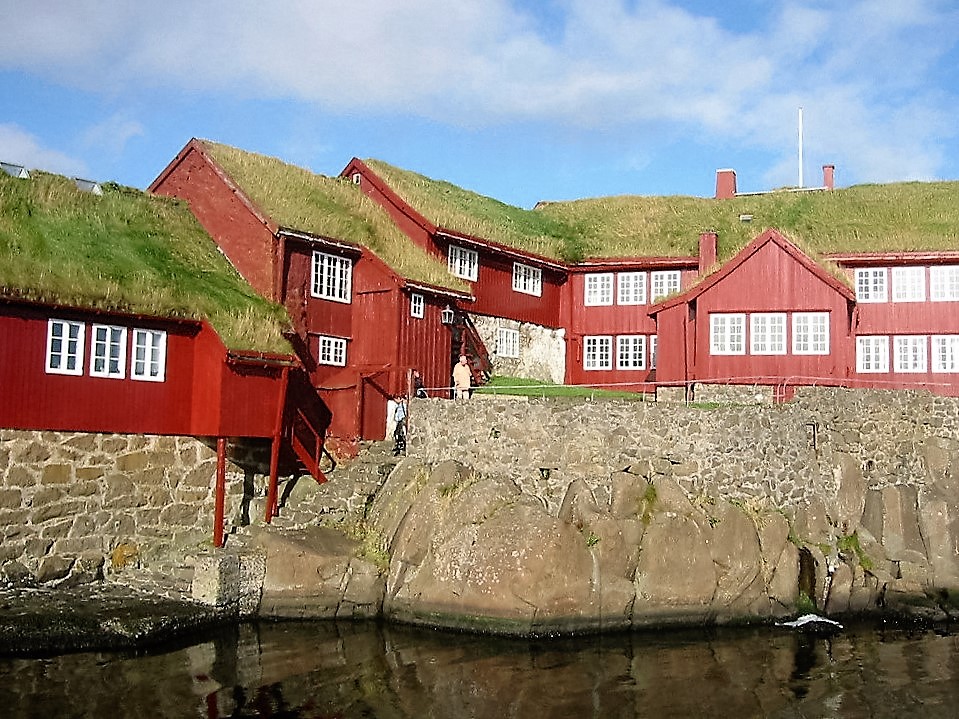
296	670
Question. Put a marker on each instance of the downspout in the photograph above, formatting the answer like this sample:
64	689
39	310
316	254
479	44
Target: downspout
278	270
218	511
272	490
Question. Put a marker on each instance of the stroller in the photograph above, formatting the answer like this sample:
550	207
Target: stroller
399	433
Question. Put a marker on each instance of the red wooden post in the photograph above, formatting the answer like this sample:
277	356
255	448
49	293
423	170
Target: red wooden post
272	487
220	492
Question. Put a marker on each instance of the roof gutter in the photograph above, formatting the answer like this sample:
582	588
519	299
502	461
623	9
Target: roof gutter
527	257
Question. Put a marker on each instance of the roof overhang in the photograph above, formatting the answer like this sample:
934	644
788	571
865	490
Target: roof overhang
479	243
318	240
439	291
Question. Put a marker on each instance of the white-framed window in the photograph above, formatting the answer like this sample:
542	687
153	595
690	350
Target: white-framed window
331	277
945	353
910	353
631	352
663	282
598	289
463	262
417	305
872	354
944	283
811	333
871	284
332	351
507	342
149	355
108	351
908	284
767	333
528	280
631	288
727	334
65	347
598	352
653	347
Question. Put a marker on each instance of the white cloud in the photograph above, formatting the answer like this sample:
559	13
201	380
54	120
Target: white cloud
864	68
21	148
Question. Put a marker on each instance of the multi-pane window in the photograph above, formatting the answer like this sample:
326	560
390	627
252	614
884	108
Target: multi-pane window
631	288
910	353
908	284
528	280
653	346
417	305
598	352
871	284
944	283
767	333
945	353
631	352
664	282
108	351
463	262
507	342
872	354
332	351
811	333
727	334
332	277
149	355
65	347
598	289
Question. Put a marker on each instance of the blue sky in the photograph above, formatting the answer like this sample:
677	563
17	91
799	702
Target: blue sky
521	100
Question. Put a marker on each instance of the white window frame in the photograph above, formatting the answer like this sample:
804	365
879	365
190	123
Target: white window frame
908	284
872	284
597	352
911	354
65	347
631	288
331	351
727	333
417	305
663	283
463	262
148	359
653	350
631	352
507	342
598	289
527	279
808	338
944	283
331	277
945	354
108	351
872	354
767	333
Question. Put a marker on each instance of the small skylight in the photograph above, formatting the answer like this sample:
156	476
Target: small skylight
18	171
88	186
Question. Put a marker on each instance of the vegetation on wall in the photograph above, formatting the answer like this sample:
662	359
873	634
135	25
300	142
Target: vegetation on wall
127	251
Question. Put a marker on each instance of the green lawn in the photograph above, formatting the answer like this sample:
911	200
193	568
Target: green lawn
534	388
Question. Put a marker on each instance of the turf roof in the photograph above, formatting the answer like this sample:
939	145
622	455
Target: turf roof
898	217
126	251
298	199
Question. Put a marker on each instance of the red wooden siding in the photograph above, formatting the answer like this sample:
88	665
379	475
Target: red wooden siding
225	215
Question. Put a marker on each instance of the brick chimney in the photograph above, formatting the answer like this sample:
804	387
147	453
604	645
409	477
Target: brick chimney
829	176
708	251
725	184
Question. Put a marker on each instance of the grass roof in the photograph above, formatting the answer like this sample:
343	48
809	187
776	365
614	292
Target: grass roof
298	199
912	216
125	251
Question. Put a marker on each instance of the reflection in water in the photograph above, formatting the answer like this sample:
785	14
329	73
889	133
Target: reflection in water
326	669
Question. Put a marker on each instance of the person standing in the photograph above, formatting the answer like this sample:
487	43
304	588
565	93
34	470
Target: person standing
462	378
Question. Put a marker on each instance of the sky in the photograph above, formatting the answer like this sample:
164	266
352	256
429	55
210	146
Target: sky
521	100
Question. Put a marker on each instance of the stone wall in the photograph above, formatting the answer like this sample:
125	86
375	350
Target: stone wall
74	506
788	454
542	351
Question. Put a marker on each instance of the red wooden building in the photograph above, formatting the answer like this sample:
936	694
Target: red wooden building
360	326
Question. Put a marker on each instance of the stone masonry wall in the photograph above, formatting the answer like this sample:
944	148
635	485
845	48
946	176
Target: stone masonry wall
542	351
788	454
76	505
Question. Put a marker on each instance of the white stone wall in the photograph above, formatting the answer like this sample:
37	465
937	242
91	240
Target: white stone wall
542	351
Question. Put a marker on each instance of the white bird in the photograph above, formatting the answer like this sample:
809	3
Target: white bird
807	619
